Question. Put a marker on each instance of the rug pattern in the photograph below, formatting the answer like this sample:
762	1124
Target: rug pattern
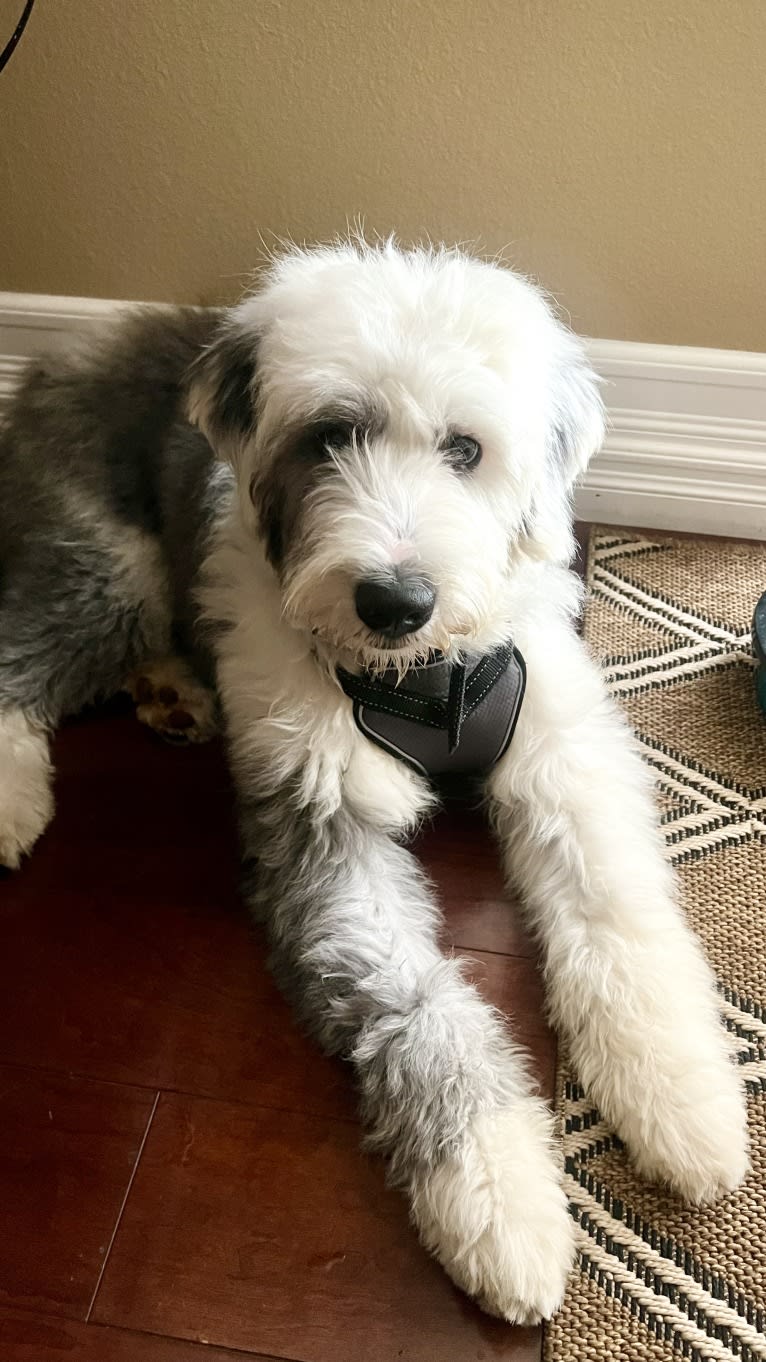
669	620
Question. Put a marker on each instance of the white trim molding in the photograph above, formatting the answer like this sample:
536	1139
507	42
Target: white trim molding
686	448
33	324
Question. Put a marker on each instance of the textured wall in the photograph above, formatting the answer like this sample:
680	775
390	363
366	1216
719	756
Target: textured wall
616	147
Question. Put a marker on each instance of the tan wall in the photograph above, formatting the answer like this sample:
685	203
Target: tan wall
617	147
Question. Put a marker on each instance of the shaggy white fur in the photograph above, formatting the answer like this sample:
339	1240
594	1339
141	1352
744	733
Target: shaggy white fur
403	422
432	344
627	982
496	1216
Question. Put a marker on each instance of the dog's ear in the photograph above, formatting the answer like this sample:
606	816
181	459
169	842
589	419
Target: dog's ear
222	389
576	428
577	417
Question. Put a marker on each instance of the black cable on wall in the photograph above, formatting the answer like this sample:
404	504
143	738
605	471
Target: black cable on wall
12	43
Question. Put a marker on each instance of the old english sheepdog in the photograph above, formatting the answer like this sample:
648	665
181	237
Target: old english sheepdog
346	502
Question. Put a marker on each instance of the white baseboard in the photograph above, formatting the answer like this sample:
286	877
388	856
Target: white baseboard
686	448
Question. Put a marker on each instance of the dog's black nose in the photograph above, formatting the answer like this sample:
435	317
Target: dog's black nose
395	605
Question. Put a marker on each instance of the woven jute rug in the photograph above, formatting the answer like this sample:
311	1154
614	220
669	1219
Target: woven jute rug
669	620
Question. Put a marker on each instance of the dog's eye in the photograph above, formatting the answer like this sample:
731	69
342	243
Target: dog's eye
330	435
463	451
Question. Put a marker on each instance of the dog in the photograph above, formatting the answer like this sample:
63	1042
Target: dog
353	482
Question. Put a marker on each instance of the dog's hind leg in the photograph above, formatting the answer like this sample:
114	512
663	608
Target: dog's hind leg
77	614
173	702
26	795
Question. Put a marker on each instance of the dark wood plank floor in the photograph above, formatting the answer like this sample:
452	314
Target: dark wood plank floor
180	1175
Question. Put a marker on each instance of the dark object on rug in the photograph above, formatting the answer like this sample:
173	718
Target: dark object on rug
759	648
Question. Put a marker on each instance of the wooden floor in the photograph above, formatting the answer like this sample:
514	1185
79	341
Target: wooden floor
179	1166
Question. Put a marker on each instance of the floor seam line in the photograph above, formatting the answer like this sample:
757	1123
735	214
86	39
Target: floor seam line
487	950
123	1204
38	1313
80	1075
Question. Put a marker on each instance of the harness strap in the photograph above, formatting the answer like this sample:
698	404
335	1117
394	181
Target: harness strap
472	703
456	705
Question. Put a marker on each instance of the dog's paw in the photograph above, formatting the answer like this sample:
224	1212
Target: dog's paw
696	1142
496	1216
682	1116
26	796
169	700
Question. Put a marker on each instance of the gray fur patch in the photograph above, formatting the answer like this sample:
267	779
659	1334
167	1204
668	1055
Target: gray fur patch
279	492
223	385
103	513
354	937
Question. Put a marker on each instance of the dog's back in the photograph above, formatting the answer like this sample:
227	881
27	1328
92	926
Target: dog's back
101	504
92	425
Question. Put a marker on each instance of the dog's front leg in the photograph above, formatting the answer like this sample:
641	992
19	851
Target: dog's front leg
445	1095
627	981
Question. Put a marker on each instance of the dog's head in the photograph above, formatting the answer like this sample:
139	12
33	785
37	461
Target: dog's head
404	424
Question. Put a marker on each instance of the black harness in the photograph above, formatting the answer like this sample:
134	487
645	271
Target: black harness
444	718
